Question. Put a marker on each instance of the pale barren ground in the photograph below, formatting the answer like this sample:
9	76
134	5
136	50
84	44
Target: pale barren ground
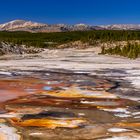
77	60
105	124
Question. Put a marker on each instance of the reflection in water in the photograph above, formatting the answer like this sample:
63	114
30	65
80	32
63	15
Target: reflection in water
64	106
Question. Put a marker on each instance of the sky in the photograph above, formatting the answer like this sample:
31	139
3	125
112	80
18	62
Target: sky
93	12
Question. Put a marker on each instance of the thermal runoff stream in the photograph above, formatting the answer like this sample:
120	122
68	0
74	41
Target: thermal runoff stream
52	105
69	95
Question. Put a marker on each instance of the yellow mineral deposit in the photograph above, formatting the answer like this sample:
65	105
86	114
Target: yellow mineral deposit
129	124
49	123
78	93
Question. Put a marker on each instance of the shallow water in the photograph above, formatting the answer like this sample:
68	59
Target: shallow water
51	105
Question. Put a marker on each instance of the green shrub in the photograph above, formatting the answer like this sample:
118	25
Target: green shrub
131	51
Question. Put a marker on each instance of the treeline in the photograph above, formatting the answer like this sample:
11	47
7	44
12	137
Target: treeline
54	39
131	51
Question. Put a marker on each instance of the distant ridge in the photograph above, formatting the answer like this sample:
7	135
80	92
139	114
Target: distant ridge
22	25
122	27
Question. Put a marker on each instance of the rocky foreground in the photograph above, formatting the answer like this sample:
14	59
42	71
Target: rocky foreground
8	48
69	94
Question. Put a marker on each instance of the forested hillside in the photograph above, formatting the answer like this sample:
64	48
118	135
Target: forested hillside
52	40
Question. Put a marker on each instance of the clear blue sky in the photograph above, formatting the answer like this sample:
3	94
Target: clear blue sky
93	12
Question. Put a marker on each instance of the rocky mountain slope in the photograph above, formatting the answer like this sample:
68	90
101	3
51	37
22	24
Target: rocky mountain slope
16	24
22	25
122	27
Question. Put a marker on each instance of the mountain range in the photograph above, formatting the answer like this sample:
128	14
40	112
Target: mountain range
22	25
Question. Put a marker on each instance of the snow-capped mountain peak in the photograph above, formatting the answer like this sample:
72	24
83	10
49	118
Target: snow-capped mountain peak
29	26
19	24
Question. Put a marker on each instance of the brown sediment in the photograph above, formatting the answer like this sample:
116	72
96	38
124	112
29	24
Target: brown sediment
12	89
71	102
82	133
